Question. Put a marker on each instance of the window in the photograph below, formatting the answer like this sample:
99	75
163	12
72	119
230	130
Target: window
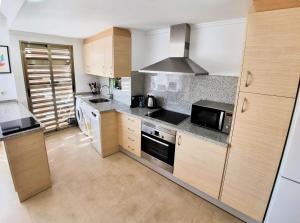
49	79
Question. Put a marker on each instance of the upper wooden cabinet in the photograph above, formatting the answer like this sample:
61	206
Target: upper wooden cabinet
108	53
272	53
267	5
199	163
258	139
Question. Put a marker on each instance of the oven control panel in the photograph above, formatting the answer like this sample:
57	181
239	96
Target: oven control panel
159	131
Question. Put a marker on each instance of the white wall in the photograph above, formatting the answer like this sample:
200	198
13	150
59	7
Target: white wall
217	46
7	81
138	46
81	79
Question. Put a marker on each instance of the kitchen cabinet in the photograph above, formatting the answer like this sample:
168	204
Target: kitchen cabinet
199	163
266	97
272	53
28	163
258	138
108	53
129	133
266	5
101	128
108	133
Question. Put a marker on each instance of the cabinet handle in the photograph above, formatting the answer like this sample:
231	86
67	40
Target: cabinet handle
130	148
247	84
244	105
132	140
179	140
129	119
131	130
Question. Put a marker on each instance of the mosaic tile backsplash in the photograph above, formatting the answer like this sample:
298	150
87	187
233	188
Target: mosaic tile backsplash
179	92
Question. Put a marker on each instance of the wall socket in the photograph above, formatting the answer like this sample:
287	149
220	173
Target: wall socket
2	93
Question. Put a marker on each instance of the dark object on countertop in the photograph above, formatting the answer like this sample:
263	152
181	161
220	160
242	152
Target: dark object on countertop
212	115
117	83
98	100
95	89
72	121
168	116
18	125
142	103
137	101
151	101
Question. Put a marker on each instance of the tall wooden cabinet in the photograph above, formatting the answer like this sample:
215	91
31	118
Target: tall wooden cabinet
266	97
108	53
266	5
258	138
271	60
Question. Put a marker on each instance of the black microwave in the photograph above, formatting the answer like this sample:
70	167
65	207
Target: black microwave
213	115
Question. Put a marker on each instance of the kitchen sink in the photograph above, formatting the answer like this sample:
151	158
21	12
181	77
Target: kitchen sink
99	100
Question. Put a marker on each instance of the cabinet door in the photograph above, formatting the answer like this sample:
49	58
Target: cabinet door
122	56
108	56
87	52
258	138
199	163
109	133
267	5
98	57
272	53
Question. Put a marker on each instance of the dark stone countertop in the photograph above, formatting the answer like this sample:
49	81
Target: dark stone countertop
13	110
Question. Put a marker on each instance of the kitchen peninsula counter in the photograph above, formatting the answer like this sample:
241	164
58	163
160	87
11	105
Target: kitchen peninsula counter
26	152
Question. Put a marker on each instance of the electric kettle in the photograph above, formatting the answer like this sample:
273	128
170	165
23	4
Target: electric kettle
151	101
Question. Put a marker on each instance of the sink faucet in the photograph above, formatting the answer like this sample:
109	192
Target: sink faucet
110	96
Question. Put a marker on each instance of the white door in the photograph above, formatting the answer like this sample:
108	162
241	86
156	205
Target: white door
285	206
285	202
291	164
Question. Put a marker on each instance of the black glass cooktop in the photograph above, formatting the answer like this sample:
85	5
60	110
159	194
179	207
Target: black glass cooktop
19	125
168	116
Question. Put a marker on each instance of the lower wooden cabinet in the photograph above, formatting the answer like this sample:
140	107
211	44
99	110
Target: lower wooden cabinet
28	163
258	138
129	133
199	163
108	133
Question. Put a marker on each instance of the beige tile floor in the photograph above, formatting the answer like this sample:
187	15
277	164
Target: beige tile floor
87	188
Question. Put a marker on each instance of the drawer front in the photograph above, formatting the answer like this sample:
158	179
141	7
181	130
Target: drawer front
129	121
130	133
132	143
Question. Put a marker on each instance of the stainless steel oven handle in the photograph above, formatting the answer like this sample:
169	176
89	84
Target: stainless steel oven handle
165	144
221	120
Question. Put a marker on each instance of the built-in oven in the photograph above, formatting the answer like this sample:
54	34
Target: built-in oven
158	145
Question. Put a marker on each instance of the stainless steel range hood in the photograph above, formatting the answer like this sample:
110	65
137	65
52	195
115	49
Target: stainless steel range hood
179	62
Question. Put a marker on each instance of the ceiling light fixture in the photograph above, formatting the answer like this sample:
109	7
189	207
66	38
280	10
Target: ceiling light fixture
35	1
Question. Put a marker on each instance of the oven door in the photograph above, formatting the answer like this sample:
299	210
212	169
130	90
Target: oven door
207	117
158	151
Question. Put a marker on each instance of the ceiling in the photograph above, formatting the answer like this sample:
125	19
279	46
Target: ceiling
82	18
